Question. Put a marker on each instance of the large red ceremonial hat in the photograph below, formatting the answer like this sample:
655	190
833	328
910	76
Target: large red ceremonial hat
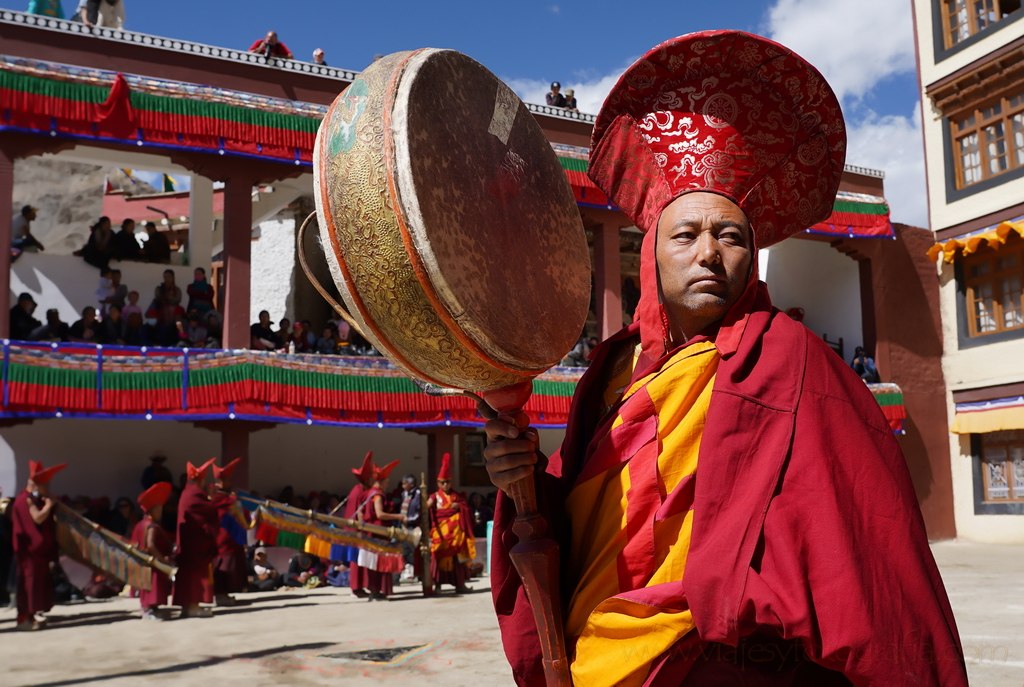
156	495
726	112
42	475
226	471
193	473
364	473
446	467
382	473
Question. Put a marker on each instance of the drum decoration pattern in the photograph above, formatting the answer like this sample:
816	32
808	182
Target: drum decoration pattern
447	223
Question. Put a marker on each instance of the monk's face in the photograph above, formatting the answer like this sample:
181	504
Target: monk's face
704	255
444	485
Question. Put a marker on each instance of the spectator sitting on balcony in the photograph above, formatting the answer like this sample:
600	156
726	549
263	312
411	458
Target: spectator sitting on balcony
156	248
132	306
111	14
87	12
21	230
284	332
311	337
112	328
570	99
167	293
105	290
192	332
262	337
214	326
554	98
200	293
269	46
318	57
46	8
135	332
87	329
22	322
53	330
864	365
126	246
298	342
111	291
99	249
328	341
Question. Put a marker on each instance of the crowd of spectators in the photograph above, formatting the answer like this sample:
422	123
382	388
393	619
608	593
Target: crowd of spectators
555	97
336	337
117	317
109	13
104	244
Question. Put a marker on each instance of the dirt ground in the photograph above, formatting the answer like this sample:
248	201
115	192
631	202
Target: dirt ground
296	638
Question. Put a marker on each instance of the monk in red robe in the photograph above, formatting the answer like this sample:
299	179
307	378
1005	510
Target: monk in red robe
230	565
378	584
732	506
151	537
35	545
197	543
354	503
452	546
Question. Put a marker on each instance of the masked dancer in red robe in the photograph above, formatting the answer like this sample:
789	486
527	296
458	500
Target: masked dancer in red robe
150	537
230	566
35	545
197	543
452	547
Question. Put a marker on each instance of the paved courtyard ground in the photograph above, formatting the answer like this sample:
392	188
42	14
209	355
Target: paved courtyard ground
297	638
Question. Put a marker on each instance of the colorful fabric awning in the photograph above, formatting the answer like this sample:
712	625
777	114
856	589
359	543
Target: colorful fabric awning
993	237
74	102
853	214
175	384
890	398
994	415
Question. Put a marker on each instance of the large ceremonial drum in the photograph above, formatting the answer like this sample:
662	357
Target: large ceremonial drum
448	224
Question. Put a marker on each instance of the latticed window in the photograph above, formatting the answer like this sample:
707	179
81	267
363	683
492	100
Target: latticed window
1002	466
989	140
994	281
963	18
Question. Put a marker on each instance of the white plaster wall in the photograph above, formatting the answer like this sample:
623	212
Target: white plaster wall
824	282
996	529
69	284
273	268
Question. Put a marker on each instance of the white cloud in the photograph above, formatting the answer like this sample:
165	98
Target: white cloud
554	9
893	144
590	93
855	45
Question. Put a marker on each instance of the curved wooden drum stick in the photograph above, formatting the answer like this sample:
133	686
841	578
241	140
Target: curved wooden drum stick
535	556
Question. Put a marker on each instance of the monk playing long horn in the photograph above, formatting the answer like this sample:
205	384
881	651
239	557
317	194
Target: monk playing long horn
197	543
35	545
150	537
734	506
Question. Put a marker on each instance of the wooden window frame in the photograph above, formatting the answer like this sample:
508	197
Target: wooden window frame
1009	440
1014	246
972	19
1005	116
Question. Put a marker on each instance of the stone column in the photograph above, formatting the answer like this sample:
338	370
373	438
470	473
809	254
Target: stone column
237	254
607	280
234	443
200	225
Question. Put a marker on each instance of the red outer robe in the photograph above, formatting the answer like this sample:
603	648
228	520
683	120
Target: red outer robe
35	548
356	573
806	529
160	587
230	565
379	582
197	545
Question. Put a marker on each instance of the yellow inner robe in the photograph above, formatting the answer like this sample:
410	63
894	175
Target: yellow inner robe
618	639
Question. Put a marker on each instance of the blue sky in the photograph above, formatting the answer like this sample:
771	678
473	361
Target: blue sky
864	48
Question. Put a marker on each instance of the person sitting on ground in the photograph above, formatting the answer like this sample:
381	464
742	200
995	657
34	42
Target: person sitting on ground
270	46
263	577
262	337
22	323
200	293
86	329
337	574
304	570
112	327
126	246
570	99
101	586
554	98
99	249
54	329
21	230
157	248
864	366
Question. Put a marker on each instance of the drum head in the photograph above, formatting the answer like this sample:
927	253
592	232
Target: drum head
489	211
